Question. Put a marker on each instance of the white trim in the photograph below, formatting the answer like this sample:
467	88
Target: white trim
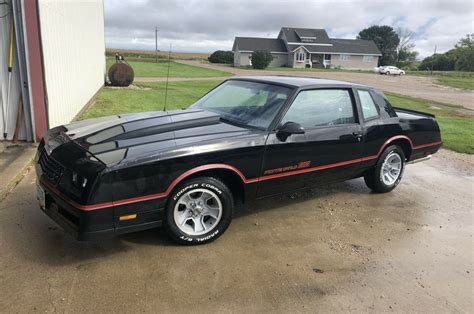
270	51
309	44
301	47
344	53
308	37
353	54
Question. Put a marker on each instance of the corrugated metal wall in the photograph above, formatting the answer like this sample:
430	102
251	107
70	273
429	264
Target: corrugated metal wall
13	98
72	35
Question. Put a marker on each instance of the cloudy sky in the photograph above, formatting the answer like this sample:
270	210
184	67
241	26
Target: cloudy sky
208	25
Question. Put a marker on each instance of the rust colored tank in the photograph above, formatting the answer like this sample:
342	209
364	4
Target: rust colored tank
121	74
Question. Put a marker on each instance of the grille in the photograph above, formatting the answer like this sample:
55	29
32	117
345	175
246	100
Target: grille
52	170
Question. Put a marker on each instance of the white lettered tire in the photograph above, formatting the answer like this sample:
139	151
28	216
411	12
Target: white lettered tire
199	211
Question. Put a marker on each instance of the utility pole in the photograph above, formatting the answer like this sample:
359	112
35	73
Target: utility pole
156	44
432	60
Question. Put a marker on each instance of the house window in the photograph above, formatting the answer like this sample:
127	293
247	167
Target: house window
368	58
344	57
300	56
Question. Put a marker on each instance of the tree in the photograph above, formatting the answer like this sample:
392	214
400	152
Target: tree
261	59
221	56
461	58
386	40
405	54
465	54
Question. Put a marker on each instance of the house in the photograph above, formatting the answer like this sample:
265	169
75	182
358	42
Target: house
308	48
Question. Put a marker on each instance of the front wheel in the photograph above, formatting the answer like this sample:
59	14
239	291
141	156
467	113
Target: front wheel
199	211
388	171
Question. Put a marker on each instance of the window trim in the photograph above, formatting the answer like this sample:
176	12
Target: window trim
377	107
291	100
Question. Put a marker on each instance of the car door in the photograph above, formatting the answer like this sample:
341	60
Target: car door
328	150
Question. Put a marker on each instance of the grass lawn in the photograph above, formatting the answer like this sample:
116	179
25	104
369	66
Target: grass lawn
457	131
458	82
457	79
149	68
149	97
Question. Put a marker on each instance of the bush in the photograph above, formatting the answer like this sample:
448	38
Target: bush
221	56
261	59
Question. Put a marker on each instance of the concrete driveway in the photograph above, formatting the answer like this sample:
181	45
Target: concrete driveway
337	248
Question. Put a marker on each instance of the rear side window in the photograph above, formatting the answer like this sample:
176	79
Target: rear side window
369	108
321	107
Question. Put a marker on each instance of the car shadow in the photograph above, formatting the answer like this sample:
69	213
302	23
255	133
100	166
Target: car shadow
57	248
159	236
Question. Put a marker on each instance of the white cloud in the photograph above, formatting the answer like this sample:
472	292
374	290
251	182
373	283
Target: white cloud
207	25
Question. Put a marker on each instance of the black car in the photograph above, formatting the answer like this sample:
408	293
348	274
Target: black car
250	137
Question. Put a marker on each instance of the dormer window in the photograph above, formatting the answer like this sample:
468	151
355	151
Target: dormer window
308	39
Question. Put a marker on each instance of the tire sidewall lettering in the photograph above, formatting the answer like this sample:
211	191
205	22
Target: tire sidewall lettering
208	186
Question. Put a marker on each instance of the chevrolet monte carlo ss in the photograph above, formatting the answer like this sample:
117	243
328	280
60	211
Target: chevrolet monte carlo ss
250	137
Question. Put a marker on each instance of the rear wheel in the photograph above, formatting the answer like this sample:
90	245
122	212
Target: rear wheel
199	211
388	171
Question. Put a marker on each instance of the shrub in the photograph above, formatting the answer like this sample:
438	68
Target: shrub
261	59
221	56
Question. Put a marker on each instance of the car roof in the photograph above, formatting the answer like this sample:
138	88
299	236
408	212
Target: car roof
296	81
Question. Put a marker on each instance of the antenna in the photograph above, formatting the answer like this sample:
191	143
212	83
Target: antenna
167	78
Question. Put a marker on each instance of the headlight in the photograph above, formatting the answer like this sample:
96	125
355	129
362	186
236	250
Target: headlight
79	181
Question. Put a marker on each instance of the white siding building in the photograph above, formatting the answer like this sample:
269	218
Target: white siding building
59	52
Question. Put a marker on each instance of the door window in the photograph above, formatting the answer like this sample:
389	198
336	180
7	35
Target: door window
369	108
321	107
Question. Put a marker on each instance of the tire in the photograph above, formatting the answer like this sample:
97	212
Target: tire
375	178
388	73
199	211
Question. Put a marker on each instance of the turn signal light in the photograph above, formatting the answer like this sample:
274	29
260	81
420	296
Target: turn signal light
128	217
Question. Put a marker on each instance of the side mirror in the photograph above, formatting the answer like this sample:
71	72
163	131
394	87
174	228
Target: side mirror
285	130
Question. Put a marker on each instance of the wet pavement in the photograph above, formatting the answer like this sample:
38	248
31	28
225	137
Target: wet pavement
336	248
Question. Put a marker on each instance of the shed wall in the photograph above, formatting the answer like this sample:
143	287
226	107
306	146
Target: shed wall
72	38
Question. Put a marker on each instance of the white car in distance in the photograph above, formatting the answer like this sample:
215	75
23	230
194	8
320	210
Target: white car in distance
391	70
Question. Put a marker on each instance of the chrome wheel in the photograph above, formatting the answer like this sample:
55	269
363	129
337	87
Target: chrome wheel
391	168
197	212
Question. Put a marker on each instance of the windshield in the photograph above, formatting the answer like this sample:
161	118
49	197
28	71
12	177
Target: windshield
245	103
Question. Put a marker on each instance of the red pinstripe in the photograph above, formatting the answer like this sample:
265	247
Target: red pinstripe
235	170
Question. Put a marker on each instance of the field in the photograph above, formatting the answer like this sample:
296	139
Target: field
148	97
457	79
457	130
150	68
161	54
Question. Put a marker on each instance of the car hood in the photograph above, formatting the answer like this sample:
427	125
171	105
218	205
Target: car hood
133	138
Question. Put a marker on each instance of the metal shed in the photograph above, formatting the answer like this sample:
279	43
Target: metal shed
52	63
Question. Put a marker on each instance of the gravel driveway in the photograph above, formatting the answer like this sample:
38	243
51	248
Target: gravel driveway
416	86
337	248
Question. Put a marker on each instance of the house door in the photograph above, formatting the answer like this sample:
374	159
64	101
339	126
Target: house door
317	60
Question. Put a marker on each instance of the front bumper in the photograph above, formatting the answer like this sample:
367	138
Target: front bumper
95	224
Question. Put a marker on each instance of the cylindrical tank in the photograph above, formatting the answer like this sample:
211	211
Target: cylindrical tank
121	74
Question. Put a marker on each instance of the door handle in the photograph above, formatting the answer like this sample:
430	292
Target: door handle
358	135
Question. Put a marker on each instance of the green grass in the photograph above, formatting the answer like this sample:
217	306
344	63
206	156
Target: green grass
150	97
150	68
457	82
457	131
457	79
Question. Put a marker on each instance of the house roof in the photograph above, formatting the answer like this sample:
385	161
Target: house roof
343	46
255	43
313	40
355	46
297	34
